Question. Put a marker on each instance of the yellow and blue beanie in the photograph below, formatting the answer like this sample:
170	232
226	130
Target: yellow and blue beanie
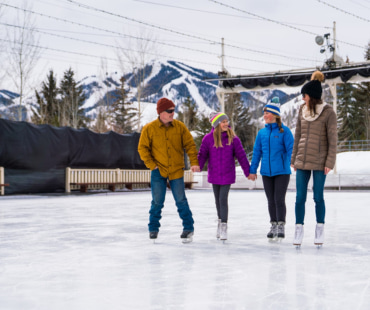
273	107
217	117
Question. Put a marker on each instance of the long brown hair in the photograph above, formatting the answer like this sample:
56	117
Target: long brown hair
312	103
280	124
217	136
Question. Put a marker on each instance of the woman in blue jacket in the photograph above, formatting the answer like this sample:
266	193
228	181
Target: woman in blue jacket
273	148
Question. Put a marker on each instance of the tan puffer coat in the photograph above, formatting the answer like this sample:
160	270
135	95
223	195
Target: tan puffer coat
315	140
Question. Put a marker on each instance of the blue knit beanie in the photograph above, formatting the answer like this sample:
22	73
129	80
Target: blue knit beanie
273	107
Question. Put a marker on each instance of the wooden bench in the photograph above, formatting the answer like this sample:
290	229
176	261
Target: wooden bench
3	185
128	185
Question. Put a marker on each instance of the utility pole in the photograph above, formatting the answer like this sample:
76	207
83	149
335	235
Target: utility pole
334	40
222	74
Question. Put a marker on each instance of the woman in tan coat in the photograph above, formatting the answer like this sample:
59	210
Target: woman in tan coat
314	152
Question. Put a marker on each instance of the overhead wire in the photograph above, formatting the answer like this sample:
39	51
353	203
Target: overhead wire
178	32
172	45
343	11
278	22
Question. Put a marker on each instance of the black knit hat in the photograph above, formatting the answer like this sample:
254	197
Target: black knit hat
313	88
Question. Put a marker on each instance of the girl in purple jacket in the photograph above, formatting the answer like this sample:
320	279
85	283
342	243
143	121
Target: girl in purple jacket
220	147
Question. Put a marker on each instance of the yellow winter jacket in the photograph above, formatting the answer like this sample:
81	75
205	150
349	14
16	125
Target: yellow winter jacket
163	147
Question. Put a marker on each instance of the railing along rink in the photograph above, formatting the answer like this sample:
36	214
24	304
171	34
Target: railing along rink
333	181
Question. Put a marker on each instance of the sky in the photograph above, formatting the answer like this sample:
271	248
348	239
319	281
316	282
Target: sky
259	36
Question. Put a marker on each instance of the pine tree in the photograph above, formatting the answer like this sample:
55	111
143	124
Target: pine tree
202	127
72	99
362	98
188	114
367	52
123	112
349	118
48	104
39	114
240	119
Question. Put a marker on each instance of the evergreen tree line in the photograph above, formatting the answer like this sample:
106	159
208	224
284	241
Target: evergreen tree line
63	106
354	109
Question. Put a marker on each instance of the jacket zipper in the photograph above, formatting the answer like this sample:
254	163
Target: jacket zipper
270	150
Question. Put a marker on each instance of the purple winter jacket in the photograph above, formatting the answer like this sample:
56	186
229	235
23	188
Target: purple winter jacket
221	160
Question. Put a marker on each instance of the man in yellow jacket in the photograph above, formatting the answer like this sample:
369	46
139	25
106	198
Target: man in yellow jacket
161	147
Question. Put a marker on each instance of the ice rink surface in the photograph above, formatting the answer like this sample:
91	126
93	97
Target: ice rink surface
87	252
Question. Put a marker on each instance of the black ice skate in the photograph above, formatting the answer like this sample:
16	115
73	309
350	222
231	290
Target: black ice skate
153	235
187	236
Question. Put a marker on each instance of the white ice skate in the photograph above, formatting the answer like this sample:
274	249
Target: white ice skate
223	232
298	235
319	235
218	229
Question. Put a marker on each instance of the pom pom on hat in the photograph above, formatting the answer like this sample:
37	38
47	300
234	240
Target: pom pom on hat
164	104
273	107
217	117
313	88
318	75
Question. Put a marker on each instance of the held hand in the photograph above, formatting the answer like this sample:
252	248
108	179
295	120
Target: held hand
252	177
295	169
195	168
326	170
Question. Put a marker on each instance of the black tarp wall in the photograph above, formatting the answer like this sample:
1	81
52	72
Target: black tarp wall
35	157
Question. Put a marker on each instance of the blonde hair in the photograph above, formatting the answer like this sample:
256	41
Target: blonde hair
217	136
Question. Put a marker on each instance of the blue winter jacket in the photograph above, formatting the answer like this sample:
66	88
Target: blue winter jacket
274	149
221	160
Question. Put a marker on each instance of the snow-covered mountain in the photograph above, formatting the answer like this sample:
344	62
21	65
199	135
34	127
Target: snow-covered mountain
174	80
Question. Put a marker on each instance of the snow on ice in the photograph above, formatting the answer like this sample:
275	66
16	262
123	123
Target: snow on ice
92	251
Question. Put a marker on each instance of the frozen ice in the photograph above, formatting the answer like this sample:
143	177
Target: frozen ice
92	251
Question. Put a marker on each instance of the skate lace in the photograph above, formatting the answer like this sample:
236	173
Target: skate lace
298	232
318	232
280	229
273	228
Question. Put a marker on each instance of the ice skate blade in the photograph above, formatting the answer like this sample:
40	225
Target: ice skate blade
187	240
297	246
275	240
319	245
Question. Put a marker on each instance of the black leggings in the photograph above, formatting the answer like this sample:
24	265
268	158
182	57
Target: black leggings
275	189
221	198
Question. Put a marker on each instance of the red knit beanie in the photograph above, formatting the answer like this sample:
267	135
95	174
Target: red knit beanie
164	104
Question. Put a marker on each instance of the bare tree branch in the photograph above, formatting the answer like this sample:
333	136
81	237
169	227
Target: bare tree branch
23	53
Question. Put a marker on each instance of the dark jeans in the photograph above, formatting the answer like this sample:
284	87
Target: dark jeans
302	178
275	190
221	193
159	187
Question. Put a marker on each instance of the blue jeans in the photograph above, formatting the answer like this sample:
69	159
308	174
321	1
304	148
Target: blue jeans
302	178
158	187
